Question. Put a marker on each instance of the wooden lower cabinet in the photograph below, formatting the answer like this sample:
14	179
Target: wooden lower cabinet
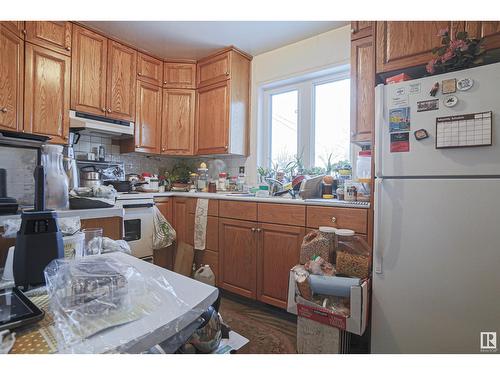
112	227
238	257
165	205
180	218
278	251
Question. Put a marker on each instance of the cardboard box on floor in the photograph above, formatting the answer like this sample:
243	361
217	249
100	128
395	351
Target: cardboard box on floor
354	323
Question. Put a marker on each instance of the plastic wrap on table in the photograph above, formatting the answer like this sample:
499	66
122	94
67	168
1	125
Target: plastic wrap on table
103	303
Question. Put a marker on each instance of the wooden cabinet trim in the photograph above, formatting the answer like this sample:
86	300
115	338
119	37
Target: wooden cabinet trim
117	89
345	218
149	69
80	84
217	67
54	35
15	27
238	210
278	213
47	93
11	80
361	29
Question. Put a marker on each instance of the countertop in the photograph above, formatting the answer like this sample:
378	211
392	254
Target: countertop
93	213
242	197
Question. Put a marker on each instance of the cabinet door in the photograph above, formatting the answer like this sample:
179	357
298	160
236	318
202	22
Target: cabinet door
11	80
212	125
15	27
485	29
121	82
148	119
403	44
279	248
179	75
149	69
88	71
165	205
46	93
181	219
178	116
361	29
238	256
112	227
213	69
362	89
55	35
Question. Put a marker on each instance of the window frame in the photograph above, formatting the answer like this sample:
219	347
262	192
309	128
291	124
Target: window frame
306	89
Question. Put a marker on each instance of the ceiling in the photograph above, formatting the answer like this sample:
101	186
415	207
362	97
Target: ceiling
196	39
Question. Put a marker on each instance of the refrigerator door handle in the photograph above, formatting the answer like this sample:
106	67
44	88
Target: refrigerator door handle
379	127
377	248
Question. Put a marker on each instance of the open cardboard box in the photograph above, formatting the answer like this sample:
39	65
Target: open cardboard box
354	323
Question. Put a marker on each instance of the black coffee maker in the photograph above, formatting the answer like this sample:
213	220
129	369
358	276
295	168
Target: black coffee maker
39	240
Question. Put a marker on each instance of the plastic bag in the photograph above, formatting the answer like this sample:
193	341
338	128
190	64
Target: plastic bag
163	233
67	225
91	294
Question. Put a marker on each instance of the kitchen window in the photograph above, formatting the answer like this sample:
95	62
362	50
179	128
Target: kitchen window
308	119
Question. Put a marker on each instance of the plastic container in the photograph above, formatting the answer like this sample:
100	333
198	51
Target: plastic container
352	254
204	274
263	192
364	167
73	245
222	181
318	243
56	180
202	181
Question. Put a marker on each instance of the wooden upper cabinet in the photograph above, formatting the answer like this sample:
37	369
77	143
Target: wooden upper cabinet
485	29
88	71
361	29
278	251
178	116
149	69
55	35
213	119
214	69
179	75
238	257
121	81
148	119
11	80
46	93
403	44
15	27
362	89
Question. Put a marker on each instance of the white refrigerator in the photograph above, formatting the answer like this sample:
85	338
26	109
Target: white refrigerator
436	271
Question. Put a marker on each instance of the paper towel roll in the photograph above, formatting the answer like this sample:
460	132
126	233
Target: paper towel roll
332	285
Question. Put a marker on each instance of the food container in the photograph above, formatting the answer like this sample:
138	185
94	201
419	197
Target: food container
318	243
364	167
352	254
350	192
222	181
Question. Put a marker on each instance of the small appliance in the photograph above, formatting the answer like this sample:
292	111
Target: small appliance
39	240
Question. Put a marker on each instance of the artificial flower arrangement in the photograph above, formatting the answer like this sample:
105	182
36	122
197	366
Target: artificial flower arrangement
454	54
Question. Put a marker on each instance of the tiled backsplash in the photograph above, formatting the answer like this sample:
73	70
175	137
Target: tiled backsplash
20	164
138	163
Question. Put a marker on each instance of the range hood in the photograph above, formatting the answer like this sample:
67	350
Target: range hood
88	124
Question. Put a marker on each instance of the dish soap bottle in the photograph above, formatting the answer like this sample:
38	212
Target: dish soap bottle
240	182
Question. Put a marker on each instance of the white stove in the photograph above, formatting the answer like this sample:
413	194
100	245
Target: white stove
137	222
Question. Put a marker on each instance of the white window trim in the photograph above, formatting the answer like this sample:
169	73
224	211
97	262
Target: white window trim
305	131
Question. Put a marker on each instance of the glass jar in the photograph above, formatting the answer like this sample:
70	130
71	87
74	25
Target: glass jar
222	181
202	183
56	180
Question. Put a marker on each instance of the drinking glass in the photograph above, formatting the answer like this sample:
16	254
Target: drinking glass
93	241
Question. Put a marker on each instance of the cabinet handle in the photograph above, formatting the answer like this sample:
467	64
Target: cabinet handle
227	74
109	110
163	149
226	147
68	48
164	82
334	219
139	74
24	32
253	229
259	230
352	31
103	109
4	109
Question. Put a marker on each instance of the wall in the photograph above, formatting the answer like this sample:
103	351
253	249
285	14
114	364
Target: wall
320	52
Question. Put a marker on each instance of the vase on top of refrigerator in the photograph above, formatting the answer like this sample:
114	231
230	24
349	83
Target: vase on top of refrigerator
436	249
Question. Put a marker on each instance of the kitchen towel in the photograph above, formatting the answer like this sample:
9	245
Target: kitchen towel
200	224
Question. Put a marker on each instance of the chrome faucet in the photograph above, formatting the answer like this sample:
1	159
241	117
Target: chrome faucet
276	187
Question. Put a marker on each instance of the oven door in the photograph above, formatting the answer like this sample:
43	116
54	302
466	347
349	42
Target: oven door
138	228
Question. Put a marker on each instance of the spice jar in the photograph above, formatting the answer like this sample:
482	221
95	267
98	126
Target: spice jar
222	181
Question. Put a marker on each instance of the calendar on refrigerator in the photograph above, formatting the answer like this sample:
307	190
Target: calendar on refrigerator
470	130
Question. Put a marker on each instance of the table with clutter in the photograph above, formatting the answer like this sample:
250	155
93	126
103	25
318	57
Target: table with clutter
163	323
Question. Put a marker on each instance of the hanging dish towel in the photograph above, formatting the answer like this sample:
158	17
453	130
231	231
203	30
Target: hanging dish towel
200	224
